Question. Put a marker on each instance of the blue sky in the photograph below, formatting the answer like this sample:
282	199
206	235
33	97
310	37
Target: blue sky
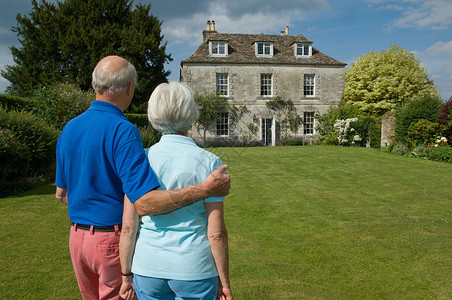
343	29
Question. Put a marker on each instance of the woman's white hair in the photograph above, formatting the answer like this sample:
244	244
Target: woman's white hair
172	109
104	80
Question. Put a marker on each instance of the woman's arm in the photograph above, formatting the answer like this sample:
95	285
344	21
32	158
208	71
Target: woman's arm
127	241
218	239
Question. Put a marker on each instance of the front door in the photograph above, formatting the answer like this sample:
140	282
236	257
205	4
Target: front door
266	129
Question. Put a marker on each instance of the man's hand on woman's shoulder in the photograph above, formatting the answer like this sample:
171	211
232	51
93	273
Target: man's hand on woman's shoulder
218	182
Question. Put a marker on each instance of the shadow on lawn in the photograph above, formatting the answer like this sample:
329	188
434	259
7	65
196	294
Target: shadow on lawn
44	189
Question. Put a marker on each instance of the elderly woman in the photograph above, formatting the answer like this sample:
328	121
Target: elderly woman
182	254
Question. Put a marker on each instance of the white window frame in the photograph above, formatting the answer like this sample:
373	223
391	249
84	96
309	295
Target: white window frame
309	116
222	84
264	82
303	47
265	46
309	85
222	125
218	48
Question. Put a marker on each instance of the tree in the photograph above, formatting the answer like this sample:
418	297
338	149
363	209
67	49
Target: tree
379	81
62	42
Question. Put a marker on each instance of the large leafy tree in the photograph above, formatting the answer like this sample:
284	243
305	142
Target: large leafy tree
63	41
379	81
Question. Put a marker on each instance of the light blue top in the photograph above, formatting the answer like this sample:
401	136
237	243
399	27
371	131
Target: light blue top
175	245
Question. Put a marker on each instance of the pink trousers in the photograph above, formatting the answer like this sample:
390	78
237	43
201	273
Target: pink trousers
95	257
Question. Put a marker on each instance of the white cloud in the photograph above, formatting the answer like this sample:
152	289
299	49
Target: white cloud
419	14
437	60
440	48
237	16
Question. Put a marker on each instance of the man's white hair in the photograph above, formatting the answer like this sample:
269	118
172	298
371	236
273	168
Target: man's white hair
172	109
104	80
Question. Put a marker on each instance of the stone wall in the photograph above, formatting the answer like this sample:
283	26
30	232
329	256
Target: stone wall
387	129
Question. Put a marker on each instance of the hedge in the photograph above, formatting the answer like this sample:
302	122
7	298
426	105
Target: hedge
27	151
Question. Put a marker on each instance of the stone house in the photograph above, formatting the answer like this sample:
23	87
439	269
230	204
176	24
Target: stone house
251	69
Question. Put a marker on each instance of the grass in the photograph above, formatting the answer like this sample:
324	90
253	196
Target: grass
304	223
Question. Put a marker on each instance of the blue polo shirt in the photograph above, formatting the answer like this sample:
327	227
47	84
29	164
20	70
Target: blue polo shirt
100	157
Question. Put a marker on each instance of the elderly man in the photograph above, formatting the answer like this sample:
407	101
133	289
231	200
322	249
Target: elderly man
100	157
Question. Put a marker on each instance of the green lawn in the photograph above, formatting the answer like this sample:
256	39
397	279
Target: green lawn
304	223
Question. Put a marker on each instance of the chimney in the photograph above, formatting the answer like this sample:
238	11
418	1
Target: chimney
208	25
213	26
287	30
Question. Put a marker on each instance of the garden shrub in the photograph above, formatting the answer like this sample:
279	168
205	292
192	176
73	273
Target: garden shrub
369	129
227	142
140	120
440	153
15	161
427	108
359	131
27	150
297	141
9	102
375	133
445	118
420	151
149	135
399	149
424	132
327	132
58	104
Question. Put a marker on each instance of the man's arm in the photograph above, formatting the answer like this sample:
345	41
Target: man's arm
61	194
217	184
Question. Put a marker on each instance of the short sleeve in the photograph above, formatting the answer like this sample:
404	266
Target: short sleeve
215	165
134	169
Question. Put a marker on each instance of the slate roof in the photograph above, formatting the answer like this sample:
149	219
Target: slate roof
241	50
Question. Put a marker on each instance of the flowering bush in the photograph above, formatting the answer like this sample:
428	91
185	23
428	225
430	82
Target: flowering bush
440	141
346	133
359	131
424	132
328	135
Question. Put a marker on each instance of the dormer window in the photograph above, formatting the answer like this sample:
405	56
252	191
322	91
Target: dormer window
217	48
303	50
264	49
